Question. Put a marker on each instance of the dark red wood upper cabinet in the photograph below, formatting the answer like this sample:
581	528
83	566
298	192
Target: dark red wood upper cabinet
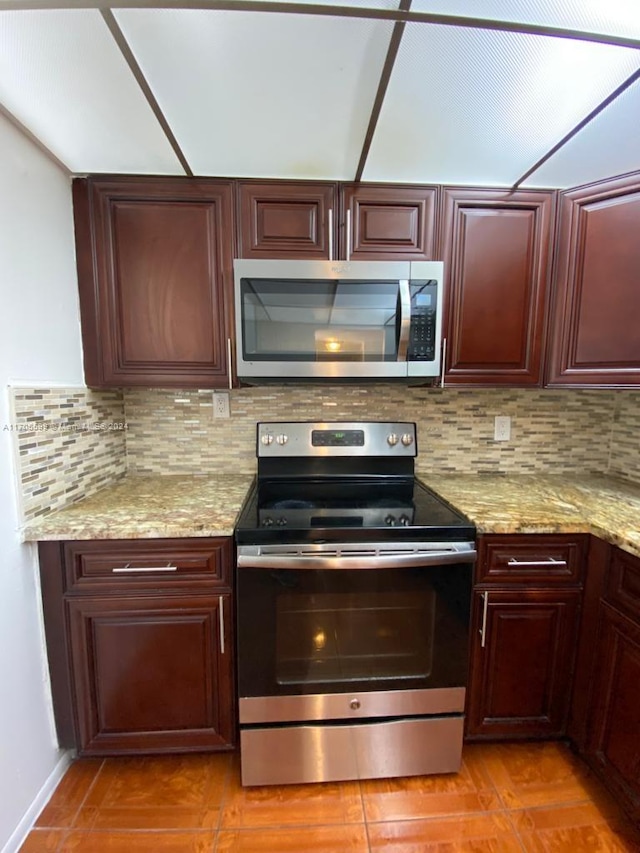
388	222
155	273
286	219
595	333
497	253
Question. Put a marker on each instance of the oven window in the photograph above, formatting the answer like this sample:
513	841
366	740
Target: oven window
302	631
346	637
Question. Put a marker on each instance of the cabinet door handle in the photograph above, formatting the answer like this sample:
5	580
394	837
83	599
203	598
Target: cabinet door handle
128	569
444	360
483	629
221	622
550	561
348	233
230	363
330	227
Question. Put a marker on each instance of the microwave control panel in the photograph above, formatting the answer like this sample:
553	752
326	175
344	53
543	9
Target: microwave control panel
422	330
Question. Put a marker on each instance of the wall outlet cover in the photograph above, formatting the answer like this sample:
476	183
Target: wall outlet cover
502	428
221	408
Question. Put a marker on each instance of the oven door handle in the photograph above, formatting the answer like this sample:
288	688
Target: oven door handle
397	560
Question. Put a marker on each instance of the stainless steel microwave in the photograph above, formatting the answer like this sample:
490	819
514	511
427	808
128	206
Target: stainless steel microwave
338	320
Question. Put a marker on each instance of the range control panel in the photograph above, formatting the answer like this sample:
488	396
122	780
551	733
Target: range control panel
310	438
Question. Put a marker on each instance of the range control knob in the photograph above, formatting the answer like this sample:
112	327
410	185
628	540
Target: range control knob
267	439
390	520
404	520
267	522
354	704
407	439
282	439
281	521
392	439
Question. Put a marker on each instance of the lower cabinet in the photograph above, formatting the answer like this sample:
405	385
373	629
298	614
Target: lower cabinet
608	716
614	730
521	662
150	672
526	609
140	644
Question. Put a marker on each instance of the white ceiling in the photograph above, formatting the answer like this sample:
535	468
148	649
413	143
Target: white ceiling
290	95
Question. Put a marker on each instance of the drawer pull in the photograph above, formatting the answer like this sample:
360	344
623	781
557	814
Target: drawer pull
550	561
483	629
129	569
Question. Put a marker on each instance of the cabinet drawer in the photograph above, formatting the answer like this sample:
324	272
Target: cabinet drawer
145	564
623	585
531	559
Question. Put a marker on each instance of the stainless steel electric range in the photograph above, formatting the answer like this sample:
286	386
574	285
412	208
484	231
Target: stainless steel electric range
353	604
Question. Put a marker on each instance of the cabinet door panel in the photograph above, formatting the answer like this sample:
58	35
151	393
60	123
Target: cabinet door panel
519	681
151	673
390	222
285	220
614	742
497	254
596	336
154	284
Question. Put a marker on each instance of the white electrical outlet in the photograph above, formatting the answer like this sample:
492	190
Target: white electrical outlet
221	404
502	428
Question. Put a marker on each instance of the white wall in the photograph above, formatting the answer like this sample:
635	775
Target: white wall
39	341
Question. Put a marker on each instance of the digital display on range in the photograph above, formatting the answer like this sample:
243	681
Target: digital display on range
337	438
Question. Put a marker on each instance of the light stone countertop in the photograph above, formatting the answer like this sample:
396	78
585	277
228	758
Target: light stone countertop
147	507
167	506
498	503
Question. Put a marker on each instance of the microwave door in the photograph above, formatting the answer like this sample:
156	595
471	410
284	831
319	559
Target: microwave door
403	318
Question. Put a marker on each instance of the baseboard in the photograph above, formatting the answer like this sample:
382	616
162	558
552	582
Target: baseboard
18	836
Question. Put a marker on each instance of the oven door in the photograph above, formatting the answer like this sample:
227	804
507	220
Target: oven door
331	644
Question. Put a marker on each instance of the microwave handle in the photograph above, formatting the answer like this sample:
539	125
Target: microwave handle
405	319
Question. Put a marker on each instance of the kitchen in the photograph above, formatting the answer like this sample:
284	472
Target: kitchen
568	431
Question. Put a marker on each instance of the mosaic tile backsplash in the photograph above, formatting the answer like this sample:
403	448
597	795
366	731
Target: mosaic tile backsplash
625	437
552	431
68	443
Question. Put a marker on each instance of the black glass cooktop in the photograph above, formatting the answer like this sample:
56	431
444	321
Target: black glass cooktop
348	510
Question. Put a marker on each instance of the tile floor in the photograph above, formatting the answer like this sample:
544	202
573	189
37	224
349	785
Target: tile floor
529	798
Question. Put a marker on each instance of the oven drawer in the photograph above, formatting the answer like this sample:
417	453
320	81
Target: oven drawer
539	558
323	753
147	563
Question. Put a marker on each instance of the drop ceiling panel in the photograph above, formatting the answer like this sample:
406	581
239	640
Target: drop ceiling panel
63	77
610	17
608	145
265	95
477	107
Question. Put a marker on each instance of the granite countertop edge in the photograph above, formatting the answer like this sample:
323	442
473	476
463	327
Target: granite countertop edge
187	506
